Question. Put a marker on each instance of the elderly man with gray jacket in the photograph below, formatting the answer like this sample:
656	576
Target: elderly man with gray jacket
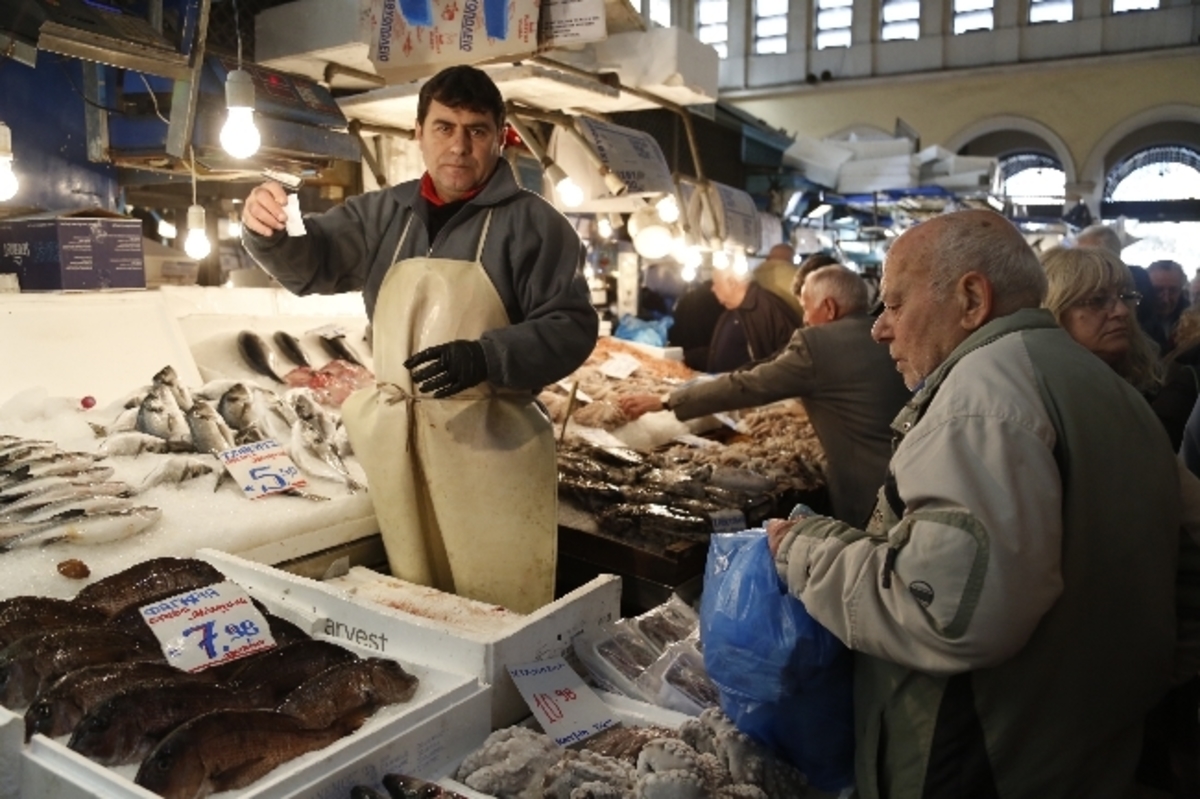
1012	602
844	379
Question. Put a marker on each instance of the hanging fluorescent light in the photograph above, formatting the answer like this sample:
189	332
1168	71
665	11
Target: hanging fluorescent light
818	212
668	209
567	189
239	136
166	230
196	245
8	179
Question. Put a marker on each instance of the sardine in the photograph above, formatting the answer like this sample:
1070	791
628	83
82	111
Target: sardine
359	687
57	710
167	377
25	615
88	505
289	345
339	348
60	491
257	355
209	431
49	466
78	527
15	491
27	452
33	663
285	668
236	407
140	583
175	470
125	727
226	749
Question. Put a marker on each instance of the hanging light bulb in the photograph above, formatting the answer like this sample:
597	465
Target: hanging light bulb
668	209
604	227
196	245
688	273
239	136
567	189
8	180
720	259
740	264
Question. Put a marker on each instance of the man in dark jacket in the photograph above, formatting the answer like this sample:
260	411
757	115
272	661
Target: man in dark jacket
756	323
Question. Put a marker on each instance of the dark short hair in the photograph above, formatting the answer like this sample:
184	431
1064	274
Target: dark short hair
462	87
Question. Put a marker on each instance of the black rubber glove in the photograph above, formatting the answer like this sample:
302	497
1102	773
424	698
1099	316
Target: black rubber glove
449	368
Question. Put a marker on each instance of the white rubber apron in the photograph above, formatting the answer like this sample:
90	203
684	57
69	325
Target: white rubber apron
464	488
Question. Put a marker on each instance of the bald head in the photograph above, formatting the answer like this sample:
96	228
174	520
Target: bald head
782	252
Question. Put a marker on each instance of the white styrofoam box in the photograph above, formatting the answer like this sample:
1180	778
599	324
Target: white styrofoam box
934	152
484	654
425	745
960	164
12	739
670	62
666	353
877	148
877	174
625	710
820	160
979	180
302	36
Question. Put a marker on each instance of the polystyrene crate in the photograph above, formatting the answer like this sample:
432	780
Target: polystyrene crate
484	654
12	738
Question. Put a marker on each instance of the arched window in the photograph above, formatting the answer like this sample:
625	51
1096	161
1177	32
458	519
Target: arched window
1033	179
1157	190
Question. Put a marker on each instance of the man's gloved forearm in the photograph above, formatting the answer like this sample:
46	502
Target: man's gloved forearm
448	368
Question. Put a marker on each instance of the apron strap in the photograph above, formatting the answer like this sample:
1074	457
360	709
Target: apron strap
487	222
403	236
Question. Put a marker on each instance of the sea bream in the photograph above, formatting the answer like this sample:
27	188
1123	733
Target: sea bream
236	407
209	431
316	432
227	749
167	377
160	415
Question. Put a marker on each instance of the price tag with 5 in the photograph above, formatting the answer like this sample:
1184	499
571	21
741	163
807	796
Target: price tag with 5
561	702
262	468
208	626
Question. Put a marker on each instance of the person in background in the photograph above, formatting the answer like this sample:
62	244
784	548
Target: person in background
473	289
1169	301
1012	602
755	325
696	314
809	265
776	274
1100	236
842	377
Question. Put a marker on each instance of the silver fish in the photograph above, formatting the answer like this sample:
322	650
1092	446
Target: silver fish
209	431
126	421
56	462
175	470
78	528
167	377
236	407
61	491
27	452
290	346
15	491
339	348
318	432
134	443
160	415
257	355
88	506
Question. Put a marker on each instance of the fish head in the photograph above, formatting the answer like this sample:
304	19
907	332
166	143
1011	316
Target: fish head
18	682
166	375
97	735
174	769
390	683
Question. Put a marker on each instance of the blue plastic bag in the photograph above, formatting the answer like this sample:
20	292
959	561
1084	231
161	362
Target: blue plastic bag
784	679
642	331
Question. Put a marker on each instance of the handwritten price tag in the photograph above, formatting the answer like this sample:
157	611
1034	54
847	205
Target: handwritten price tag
209	626
620	366
262	468
565	707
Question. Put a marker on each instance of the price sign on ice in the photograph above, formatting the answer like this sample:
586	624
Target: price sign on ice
208	626
565	707
262	468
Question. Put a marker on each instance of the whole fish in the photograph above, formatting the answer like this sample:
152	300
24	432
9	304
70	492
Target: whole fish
78	527
33	663
27	452
133	443
289	345
356	688
160	415
339	348
25	615
257	355
209	431
49	466
175	470
25	488
61	491
87	505
167	377
236	407
126	726
57	710
141	582
226	749
401	787
285	668
318	433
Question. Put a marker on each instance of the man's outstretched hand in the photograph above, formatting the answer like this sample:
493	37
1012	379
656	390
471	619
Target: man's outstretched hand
448	368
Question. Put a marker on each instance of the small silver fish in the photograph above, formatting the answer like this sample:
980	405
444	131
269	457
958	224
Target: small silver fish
167	377
236	407
209	431
160	415
78	528
15	491
318	432
59	492
175	470
134	443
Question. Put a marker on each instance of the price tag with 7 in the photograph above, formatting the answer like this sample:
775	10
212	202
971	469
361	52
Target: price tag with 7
561	702
262	468
208	626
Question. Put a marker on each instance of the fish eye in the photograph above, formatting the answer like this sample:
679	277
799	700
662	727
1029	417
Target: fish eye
41	710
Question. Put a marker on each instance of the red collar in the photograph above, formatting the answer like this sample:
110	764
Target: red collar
430	193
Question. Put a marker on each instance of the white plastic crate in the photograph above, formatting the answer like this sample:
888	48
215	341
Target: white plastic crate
12	738
484	654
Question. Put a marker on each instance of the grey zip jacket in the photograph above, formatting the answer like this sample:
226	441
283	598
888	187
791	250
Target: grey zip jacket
532	256
1013	601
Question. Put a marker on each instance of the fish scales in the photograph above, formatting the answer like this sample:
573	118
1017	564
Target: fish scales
25	615
360	687
285	668
226	749
150	578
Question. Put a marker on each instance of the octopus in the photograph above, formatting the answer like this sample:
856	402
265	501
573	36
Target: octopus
509	762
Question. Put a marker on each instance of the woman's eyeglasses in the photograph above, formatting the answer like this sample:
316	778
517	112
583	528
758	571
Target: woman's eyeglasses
1104	301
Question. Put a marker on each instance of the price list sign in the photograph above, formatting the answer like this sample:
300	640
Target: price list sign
562	703
262	468
208	626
